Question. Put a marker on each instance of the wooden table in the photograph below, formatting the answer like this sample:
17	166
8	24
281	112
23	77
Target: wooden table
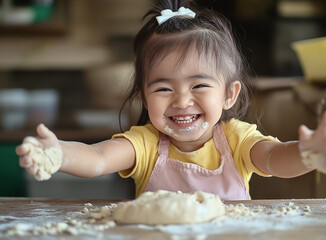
39	212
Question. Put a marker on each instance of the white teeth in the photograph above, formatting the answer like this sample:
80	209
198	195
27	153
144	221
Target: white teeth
185	120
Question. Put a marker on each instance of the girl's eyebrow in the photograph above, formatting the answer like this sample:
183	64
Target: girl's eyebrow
203	76
158	80
192	77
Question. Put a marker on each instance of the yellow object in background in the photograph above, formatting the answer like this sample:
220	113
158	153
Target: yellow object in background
312	57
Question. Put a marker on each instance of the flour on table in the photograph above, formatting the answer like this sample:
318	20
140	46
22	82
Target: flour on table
289	209
94	221
89	219
48	160
314	160
164	207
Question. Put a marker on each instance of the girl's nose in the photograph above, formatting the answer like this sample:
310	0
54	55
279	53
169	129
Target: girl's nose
182	100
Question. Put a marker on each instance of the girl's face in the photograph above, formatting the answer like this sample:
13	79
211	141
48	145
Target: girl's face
185	99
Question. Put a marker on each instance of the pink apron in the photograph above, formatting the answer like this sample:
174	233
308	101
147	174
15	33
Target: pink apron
173	175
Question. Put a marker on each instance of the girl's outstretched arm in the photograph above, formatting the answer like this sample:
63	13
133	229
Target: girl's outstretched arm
105	157
78	159
278	159
291	159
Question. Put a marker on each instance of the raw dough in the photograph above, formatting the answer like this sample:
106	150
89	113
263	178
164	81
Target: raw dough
48	160
164	207
314	160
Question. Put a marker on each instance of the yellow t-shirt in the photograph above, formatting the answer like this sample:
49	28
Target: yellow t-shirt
240	135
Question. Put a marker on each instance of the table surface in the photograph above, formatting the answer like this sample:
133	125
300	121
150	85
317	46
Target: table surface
33	212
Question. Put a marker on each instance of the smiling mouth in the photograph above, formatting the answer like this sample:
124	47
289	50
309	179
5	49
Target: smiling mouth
185	119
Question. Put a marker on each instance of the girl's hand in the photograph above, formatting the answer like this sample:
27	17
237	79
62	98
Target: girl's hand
40	155
312	145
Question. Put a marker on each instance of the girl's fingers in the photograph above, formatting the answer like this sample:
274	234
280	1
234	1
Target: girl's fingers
23	149
31	140
25	162
43	131
305	135
32	170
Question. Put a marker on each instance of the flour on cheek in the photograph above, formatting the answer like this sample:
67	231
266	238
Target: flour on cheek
168	130
204	125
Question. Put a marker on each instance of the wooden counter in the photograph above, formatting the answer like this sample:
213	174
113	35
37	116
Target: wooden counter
38	212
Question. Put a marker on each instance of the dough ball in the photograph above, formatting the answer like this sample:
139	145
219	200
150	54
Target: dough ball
48	160
314	160
164	207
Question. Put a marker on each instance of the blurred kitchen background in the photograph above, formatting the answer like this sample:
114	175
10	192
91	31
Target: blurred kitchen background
67	63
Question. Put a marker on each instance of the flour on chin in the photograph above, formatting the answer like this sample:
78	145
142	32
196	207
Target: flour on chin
164	207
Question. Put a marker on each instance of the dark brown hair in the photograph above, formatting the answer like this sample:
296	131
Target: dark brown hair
210	34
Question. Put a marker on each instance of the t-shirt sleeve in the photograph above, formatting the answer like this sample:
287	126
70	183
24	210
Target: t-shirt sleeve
145	142
134	137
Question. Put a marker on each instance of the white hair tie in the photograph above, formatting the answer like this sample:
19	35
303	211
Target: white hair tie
167	14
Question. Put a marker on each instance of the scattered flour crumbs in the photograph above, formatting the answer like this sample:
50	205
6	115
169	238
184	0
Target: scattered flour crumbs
94	220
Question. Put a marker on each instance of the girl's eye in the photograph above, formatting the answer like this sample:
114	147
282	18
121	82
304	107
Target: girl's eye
163	90
200	86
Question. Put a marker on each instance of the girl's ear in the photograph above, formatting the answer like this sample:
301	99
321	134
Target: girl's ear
232	95
141	98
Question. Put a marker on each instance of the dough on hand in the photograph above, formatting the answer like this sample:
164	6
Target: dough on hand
48	160
314	160
164	207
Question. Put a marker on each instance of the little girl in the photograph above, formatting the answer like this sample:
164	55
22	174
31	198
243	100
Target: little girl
192	83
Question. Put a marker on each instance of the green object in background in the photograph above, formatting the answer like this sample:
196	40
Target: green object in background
11	174
42	12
